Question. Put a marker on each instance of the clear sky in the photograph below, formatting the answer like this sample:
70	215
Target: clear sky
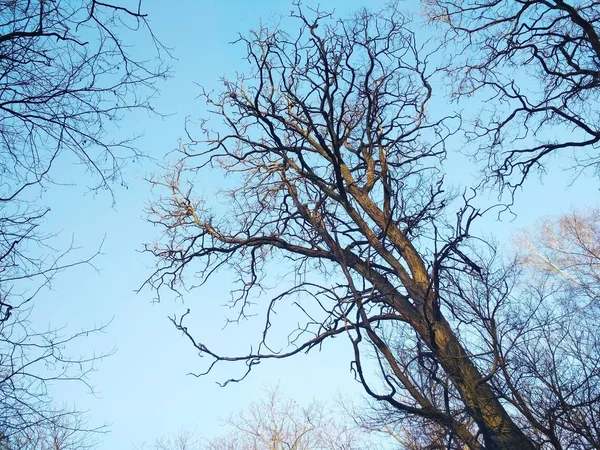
143	389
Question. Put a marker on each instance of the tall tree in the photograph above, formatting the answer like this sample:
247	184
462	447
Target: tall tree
65	73
334	166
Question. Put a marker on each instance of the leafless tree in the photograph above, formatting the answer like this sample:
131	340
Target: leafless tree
557	356
566	253
183	440
537	65
276	422
279	423
333	164
66	433
65	74
30	363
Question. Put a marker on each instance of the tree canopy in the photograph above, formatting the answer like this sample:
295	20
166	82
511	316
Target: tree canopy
335	167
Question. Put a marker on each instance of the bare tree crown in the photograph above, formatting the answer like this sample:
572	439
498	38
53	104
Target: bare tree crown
333	161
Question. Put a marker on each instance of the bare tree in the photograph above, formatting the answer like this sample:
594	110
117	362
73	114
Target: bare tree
333	164
183	440
566	253
276	422
65	74
279	423
66	433
556	358
537	65
30	363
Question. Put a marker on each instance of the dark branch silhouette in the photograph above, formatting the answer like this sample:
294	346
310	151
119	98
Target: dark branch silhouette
332	159
537	65
66	76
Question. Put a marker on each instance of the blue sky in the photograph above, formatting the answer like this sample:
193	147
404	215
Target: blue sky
143	390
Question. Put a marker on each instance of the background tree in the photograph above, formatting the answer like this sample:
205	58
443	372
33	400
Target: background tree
535	64
184	440
556	358
333	164
279	423
65	73
276	422
565	252
30	363
66	433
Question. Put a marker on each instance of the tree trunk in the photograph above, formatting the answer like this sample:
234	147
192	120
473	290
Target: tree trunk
496	426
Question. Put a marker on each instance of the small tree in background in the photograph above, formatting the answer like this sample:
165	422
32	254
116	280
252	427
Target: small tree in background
276	422
565	253
279	423
66	432
184	440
